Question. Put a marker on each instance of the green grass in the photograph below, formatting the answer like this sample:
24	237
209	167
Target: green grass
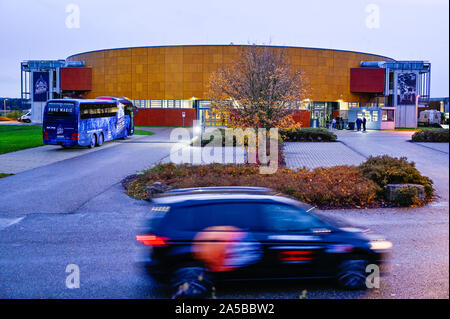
142	132
19	137
5	174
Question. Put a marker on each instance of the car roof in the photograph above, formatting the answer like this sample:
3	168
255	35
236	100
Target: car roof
214	195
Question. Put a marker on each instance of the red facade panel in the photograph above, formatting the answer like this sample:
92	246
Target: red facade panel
76	79
367	80
302	116
165	117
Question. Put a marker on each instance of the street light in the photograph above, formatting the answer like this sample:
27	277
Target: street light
417	108
4	105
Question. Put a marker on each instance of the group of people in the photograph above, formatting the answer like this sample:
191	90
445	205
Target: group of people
337	123
361	122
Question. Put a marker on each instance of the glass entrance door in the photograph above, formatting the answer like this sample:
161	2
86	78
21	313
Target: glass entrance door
318	111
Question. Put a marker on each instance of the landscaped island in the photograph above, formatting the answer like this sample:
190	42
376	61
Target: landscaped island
332	187
439	135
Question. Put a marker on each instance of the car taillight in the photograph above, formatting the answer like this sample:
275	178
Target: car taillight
296	255
152	240
45	135
76	136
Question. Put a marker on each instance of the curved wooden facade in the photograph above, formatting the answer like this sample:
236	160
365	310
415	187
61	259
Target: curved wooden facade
182	72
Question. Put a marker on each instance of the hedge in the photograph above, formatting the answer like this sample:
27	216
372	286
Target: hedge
385	170
308	135
431	135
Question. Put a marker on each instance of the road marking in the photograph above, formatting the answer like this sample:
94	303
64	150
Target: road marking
6	222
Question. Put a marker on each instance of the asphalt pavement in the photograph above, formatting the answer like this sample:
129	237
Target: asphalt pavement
74	211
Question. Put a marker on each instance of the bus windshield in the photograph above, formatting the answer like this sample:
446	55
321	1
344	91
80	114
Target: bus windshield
60	109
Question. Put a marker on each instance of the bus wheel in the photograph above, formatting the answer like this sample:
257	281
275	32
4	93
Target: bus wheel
93	141
100	140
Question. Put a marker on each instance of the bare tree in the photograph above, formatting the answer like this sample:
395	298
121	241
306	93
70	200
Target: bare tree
257	90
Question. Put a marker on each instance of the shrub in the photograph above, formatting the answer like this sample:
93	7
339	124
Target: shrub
340	186
407	196
308	135
431	135
14	114
385	170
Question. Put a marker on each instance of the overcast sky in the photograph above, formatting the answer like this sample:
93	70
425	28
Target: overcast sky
401	29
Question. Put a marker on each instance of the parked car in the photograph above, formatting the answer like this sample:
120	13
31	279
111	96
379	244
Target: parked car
26	118
196	237
430	118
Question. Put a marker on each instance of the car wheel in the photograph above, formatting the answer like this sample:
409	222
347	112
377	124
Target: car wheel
93	141
125	134
352	274
100	140
191	283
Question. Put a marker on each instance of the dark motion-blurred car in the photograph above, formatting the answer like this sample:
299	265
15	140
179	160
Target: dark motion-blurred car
195	237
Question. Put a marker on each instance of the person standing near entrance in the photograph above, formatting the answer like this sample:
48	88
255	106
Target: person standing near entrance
333	123
358	124
364	121
341	123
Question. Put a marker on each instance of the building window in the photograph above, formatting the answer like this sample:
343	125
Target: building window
343	106
172	103
375	116
387	116
156	103
204	103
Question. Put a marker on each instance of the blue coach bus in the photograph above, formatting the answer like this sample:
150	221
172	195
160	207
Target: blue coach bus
82	122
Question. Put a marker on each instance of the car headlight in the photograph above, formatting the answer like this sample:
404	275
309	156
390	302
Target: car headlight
380	245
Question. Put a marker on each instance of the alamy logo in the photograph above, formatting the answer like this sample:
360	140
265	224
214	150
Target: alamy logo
41	86
73	277
373	17
73	17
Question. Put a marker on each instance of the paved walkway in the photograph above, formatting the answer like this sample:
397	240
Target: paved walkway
311	155
431	159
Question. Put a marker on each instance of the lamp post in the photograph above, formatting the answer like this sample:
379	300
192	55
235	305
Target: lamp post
417	109
4	105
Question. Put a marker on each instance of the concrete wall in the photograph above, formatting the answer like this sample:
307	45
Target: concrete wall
406	116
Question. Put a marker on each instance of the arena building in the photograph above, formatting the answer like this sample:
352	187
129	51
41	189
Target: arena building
169	83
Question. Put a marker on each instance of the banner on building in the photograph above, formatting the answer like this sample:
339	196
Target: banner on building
406	88
40	86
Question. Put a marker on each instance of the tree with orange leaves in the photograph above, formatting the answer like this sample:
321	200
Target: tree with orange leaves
258	89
